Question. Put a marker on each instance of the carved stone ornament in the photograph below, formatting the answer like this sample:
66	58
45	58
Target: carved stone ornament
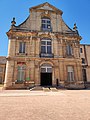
46	12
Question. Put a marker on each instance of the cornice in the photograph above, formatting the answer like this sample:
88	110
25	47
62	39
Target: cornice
14	34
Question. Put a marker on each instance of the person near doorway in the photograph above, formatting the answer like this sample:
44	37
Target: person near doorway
57	82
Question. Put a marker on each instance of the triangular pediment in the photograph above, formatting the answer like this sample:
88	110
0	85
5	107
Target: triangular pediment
46	6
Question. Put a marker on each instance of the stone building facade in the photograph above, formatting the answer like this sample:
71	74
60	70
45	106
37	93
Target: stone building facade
44	51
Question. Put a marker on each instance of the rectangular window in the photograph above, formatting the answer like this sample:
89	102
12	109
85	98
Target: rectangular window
21	73
83	60
46	46
69	50
81	51
22	47
70	73
46	24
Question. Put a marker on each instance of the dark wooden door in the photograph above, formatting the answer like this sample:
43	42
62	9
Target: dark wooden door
46	79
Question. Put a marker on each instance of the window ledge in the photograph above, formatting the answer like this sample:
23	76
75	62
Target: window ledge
70	82
45	55
19	82
22	54
70	56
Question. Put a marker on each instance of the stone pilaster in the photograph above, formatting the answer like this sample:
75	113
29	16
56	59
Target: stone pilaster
9	74
37	76
11	47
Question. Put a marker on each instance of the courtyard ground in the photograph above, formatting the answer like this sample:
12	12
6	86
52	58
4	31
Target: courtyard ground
40	105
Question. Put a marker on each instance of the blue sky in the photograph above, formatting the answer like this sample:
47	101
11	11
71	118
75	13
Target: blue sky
74	11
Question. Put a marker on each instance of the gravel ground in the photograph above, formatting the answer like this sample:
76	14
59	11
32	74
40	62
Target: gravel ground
39	105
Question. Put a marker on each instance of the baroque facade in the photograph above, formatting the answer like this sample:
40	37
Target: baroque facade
44	51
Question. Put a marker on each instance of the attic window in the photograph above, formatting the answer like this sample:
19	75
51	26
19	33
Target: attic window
46	24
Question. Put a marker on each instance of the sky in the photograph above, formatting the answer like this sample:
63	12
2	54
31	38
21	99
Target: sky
74	11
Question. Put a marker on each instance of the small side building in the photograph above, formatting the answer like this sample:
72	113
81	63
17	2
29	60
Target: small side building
85	56
2	69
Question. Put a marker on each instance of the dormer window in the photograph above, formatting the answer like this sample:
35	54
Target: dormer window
46	24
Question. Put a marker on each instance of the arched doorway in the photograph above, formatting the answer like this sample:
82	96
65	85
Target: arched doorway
46	75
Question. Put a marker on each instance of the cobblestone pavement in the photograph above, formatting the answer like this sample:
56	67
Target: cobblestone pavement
39	105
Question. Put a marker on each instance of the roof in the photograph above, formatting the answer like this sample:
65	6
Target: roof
84	44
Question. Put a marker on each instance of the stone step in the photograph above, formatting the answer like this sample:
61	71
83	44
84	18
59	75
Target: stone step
54	89
36	88
46	89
